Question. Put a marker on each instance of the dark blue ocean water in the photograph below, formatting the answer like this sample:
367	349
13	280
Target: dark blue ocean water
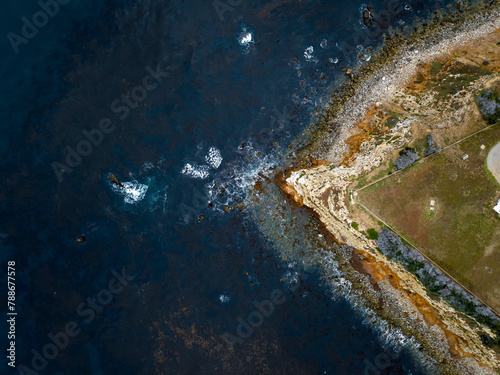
226	73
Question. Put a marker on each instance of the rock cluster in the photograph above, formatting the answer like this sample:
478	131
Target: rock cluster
368	16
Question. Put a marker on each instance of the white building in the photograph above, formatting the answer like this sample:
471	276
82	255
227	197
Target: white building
497	207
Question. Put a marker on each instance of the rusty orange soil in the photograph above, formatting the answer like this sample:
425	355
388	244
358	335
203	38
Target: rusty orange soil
419	80
365	263
289	191
364	131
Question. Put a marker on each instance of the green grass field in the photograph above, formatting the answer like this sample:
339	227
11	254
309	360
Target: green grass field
462	233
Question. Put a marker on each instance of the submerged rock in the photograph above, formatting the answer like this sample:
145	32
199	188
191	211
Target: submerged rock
114	179
368	14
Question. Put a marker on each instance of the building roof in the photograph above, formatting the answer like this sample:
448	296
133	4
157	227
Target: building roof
497	207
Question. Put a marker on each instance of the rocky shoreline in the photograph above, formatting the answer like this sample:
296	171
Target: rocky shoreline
450	341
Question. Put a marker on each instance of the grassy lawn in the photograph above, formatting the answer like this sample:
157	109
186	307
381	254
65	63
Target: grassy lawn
462	233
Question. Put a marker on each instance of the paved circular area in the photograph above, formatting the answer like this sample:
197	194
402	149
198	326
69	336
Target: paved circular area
493	161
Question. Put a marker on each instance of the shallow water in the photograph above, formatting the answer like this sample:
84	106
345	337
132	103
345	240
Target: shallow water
236	83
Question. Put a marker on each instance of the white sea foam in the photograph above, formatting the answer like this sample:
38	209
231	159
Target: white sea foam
308	53
291	279
224	298
132	191
196	171
214	157
238	178
246	38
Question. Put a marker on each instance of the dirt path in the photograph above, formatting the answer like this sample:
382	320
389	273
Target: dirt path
493	161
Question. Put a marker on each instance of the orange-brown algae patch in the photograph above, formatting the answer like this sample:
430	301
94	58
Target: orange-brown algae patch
365	128
290	193
313	163
419	80
328	236
366	263
354	142
370	123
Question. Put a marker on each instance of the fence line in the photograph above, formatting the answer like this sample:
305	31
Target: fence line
429	259
411	244
426	157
